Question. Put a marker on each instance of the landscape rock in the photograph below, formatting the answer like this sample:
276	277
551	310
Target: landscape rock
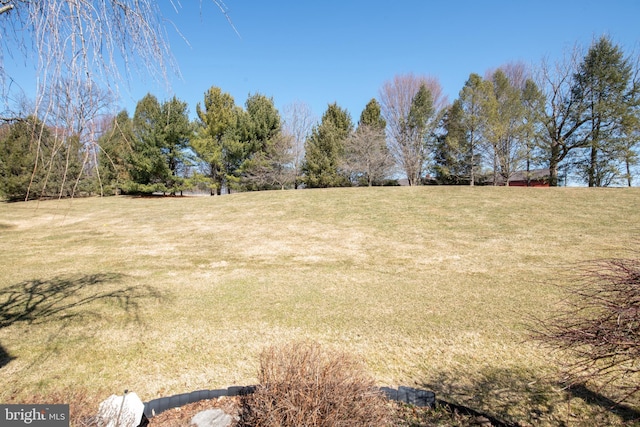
410	395
212	418
121	411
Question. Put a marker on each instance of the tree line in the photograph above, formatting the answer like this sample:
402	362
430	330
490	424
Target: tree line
579	115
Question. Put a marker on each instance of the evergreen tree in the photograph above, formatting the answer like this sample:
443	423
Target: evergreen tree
372	116
114	158
263	145
604	84
217	117
161	136
264	122
36	162
324	149
452	151
175	134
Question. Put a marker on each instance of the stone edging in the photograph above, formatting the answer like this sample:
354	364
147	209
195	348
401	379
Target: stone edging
155	407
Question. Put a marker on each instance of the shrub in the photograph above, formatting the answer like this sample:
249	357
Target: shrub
303	385
601	325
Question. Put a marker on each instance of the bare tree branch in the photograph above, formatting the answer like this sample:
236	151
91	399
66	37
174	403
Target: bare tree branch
600	325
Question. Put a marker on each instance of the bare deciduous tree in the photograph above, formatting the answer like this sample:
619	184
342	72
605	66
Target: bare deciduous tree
273	168
397	99
367	159
297	124
564	115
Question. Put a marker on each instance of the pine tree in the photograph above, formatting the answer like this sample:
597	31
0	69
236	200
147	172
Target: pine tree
325	148
114	165
161	136
603	83
218	116
452	151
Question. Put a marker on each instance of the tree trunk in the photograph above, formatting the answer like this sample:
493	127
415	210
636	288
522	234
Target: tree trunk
554	160
592	166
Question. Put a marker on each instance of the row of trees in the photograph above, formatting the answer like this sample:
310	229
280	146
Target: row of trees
582	114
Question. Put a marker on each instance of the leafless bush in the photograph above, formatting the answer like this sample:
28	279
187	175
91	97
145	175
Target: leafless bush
303	385
600	326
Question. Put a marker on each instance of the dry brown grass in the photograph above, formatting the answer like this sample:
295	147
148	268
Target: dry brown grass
430	286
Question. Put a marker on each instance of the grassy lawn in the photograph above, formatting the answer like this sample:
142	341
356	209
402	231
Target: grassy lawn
433	287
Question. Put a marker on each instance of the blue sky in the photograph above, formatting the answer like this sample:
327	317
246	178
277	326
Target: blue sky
329	51
321	52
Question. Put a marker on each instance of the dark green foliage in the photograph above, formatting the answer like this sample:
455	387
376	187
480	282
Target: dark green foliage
325	149
452	152
264	122
263	150
158	158
604	84
217	118
421	111
238	146
38	163
114	158
175	136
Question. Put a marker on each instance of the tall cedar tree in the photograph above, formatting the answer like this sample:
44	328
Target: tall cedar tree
324	149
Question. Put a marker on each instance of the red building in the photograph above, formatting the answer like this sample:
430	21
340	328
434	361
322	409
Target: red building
533	178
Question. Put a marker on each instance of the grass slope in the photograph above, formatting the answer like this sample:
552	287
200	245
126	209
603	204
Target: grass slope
432	286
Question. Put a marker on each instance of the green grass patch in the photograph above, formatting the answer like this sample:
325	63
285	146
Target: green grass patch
431	286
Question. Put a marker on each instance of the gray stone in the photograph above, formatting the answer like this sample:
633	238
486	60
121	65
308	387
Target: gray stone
416	397
121	411
211	418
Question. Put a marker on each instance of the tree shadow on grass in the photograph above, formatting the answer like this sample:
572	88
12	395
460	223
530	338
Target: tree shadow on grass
520	396
39	301
5	357
592	397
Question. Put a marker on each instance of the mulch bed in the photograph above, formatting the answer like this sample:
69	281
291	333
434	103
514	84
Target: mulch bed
181	417
407	415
